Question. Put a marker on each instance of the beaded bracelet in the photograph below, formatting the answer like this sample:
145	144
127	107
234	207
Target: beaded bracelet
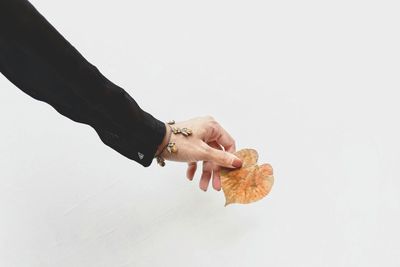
171	146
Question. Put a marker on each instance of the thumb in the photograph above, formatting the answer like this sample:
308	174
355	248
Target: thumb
223	158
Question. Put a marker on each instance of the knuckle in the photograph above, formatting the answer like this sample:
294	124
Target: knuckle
202	132
213	124
213	128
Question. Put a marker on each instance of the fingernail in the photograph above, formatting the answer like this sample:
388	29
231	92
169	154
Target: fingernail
237	163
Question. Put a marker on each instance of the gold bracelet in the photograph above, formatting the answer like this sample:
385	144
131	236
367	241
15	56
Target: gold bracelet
171	146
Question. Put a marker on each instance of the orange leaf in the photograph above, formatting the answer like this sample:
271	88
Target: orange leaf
249	183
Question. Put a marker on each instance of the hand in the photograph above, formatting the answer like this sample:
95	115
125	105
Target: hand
209	143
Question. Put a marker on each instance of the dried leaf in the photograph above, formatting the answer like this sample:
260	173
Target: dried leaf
249	183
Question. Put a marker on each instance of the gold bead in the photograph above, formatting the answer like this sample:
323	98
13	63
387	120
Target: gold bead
174	149
176	130
186	131
160	161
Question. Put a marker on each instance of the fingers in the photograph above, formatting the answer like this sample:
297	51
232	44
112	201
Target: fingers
225	140
221	158
216	182
208	167
206	175
210	143
191	170
221	136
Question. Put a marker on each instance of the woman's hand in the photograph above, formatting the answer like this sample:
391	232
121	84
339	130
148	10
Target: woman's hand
209	143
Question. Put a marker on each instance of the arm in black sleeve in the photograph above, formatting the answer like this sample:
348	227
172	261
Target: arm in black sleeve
37	59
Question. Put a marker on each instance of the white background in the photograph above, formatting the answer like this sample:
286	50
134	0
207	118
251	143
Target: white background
312	85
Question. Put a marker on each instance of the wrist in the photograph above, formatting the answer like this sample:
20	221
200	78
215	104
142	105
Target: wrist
165	140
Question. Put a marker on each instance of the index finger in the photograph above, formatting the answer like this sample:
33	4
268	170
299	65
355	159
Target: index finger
224	139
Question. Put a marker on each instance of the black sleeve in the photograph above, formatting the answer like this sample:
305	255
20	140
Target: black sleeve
36	58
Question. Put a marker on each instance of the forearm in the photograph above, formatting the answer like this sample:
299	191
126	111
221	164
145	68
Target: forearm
39	61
